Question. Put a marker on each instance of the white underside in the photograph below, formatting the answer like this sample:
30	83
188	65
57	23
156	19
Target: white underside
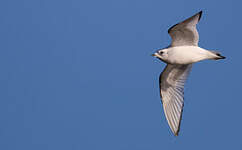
187	54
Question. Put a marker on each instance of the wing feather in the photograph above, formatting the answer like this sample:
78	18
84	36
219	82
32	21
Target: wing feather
185	32
172	81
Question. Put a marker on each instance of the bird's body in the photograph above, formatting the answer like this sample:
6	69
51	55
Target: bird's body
187	54
179	56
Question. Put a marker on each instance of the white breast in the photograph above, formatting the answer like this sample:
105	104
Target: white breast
186	54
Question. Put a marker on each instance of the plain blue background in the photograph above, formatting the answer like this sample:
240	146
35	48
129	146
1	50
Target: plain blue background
78	75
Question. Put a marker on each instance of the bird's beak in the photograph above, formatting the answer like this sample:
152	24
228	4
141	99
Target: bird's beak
154	55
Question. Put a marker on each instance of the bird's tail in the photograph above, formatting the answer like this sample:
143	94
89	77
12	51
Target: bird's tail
217	55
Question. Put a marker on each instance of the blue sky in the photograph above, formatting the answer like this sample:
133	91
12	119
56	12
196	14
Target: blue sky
78	75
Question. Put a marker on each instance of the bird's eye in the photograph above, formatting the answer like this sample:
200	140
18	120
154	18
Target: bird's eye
160	52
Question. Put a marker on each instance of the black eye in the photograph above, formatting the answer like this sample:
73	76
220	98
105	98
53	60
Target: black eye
160	52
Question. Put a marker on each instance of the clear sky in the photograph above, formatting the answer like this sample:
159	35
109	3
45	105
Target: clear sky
78	75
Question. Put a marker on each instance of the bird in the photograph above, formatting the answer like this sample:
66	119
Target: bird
179	57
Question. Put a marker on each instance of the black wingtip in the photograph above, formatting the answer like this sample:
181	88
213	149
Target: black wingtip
176	134
200	15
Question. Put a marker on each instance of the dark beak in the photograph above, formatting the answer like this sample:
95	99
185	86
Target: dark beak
154	55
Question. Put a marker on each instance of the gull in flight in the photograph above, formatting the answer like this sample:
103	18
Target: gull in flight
179	57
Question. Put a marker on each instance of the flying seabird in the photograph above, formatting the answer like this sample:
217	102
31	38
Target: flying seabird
179	57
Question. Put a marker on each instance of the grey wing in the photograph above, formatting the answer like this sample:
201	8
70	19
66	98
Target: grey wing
185	32
172	81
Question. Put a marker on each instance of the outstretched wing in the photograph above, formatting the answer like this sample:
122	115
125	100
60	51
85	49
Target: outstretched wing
172	81
185	32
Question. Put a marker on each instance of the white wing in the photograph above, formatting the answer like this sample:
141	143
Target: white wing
185	33
172	81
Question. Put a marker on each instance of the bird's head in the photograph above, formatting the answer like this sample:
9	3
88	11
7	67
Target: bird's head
161	54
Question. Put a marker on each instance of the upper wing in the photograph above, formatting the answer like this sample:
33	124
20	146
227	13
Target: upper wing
185	32
172	81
